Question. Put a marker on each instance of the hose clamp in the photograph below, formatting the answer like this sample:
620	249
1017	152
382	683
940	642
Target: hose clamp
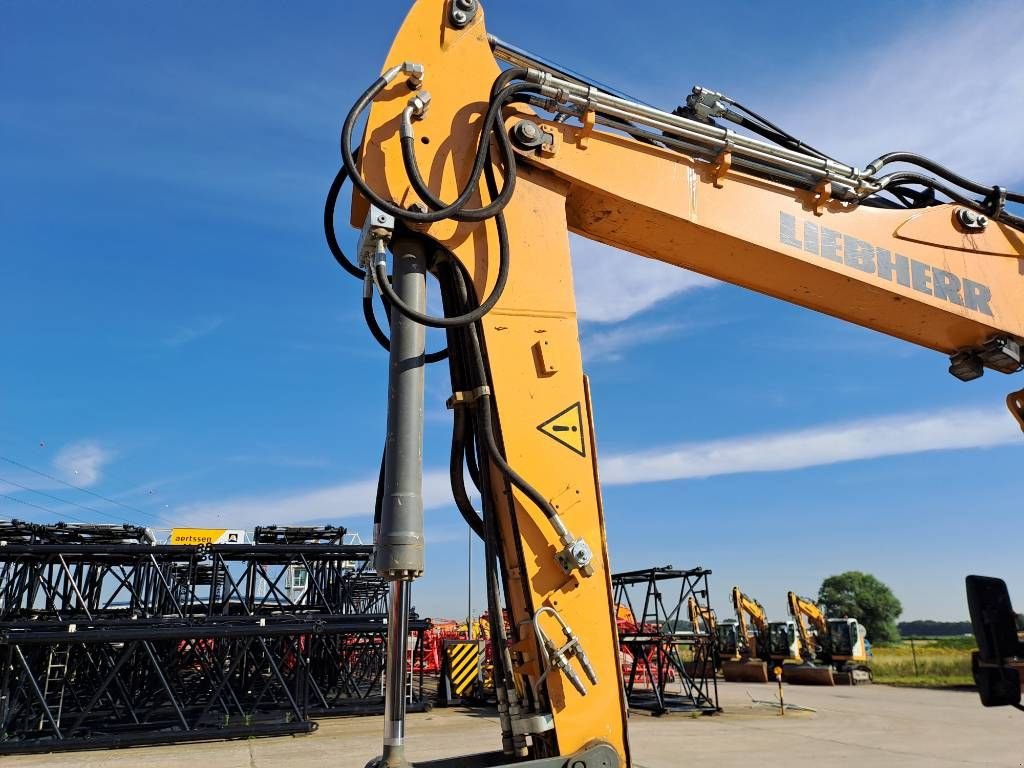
467	398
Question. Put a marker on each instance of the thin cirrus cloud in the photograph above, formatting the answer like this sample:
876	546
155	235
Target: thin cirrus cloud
772	452
612	285
818	446
610	345
82	463
969	124
201	327
341	500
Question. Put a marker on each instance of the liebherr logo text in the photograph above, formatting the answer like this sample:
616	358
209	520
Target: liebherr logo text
856	253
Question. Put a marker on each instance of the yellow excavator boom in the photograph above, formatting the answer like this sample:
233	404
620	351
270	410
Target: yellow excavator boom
811	624
476	162
702	618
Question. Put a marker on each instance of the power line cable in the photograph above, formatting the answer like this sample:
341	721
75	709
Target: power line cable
79	488
39	506
64	501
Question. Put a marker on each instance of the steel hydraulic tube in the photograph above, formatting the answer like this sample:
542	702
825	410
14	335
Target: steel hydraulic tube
399	538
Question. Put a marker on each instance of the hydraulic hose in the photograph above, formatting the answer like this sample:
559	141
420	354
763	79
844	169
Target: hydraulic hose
454	209
332	239
483	414
458	454
378	333
339	255
380	275
790	140
492	124
940	170
911	177
458	376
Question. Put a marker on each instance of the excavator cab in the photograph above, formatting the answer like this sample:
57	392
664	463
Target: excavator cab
847	639
783	642
728	639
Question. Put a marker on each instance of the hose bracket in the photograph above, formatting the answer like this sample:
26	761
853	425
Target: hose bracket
466	398
374	236
995	202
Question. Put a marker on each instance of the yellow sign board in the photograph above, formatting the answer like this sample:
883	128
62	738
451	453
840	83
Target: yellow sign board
195	536
567	428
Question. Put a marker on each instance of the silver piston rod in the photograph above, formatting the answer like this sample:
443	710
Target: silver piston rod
399	556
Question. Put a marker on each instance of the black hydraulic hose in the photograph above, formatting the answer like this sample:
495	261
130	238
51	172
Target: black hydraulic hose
492	124
373	325
491	446
495	615
458	481
793	140
472	465
455	296
451	211
912	177
782	139
458	377
339	255
934	167
384	285
483	414
382	338
329	233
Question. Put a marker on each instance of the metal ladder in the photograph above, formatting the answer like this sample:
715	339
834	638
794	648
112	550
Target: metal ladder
53	689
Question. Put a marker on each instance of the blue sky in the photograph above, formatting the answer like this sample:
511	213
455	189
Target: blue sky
178	339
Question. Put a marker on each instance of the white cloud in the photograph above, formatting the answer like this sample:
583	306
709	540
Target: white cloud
817	446
609	346
203	326
612	285
82	463
950	87
351	499
776	452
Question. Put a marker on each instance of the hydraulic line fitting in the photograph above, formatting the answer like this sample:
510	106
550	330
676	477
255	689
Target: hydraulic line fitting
559	658
576	554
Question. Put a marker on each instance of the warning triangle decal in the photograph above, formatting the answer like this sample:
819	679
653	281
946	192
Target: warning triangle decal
567	428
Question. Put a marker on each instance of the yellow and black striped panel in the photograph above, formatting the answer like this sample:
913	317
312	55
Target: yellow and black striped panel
463	665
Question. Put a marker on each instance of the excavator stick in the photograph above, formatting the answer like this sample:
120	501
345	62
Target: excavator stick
745	671
808	674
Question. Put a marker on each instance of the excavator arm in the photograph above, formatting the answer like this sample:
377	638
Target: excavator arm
746	608
703	619
807	615
475	163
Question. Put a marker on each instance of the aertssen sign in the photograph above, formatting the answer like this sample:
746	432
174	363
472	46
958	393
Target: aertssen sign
194	536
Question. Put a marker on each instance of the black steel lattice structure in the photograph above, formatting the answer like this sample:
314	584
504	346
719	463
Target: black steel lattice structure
670	667
108	639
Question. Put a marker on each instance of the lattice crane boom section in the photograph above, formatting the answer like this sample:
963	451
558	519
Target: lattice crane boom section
110	639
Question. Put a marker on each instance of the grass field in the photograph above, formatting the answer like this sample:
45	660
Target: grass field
941	663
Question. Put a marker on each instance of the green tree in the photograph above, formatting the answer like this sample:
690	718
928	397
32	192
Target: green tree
863	597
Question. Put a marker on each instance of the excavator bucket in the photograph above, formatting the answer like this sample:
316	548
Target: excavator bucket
745	671
808	674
